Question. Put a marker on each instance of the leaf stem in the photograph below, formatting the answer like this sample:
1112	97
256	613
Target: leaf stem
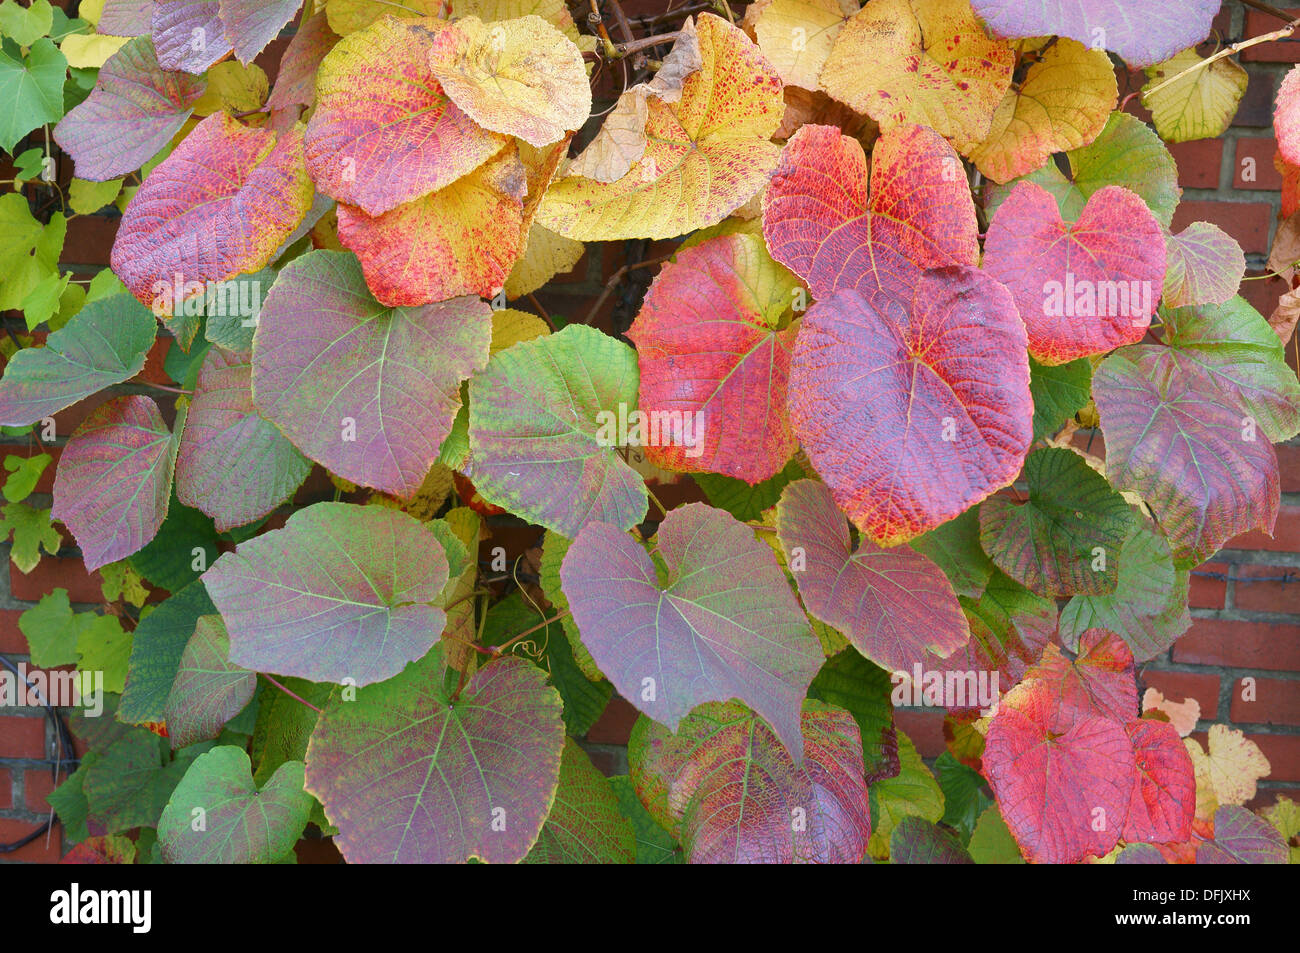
291	694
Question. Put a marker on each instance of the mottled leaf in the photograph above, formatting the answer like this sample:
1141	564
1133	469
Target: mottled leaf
917	841
1199	105
585	825
1205	265
189	34
208	690
1241	837
252	24
1164	794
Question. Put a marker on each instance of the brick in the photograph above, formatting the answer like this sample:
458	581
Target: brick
1276	702
1275	51
22	736
614	724
1259	151
46	849
1178	686
37	783
1198	162
1283	753
1285	538
6	789
1288	465
1256	107
56	572
1269	646
1266	589
90	240
1267	797
1247	222
12	640
925	728
1209	586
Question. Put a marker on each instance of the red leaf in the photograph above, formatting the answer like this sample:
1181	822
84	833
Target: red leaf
1085	287
1100	681
706	344
1164	797
821	221
912	414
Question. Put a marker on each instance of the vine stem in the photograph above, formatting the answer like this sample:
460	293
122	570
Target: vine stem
1286	31
618	276
500	649
291	694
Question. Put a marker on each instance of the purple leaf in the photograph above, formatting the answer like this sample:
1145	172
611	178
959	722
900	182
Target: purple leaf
189	34
254	23
209	690
1241	837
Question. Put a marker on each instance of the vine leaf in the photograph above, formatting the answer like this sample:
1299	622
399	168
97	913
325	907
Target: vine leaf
157	646
114	479
133	111
220	205
189	34
1241	837
341	591
912	411
706	154
32	86
1170	438
295	85
1164	795
208	690
252	24
1204	265
1099	681
441	781
774	25
1201	104
917	841
521	77
103	344
368	391
244	824
1083	287
1009	626
736	795
1066	538
384	132
711	349
1142	32
1067	95
822	221
585	825
903	61
719	623
895	606
541	417
233	464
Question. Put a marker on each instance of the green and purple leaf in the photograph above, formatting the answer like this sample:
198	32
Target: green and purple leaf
208	690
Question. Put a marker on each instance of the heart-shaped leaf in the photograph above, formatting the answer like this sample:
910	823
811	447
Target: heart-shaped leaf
252	24
1164	795
342	591
1099	681
709	350
896	606
585	825
904	61
1082	287
189	34
707	153
738	797
1241	837
1204	265
220	205
368	391
445	780
823	223
208	690
1141	31
1198	105
384	132
102	344
1195	461
543	429
720	623
242	823
114	479
133	111
913	411
233	464
1066	537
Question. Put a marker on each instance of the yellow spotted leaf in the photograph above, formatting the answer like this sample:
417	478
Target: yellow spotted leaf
706	154
927	62
1201	104
1066	97
1230	769
462	239
545	256
797	35
519	77
554	12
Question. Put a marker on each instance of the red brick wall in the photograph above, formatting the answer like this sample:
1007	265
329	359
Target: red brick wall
1245	602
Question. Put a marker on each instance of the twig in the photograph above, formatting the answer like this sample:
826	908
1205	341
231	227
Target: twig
545	317
617	277
1291	27
1265	8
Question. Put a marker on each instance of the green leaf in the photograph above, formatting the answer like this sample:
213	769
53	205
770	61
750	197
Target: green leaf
912	793
69	800
554	548
585	825
26	25
955	548
24	472
209	690
741	500
991	842
862	688
51	629
32	531
31	89
231	329
284	724
29	251
963	794
87	198
242	824
129	786
654	845
104	646
160	640
42	301
1059	392
186	545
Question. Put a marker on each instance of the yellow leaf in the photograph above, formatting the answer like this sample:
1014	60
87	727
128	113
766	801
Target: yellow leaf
90	50
348	16
460	631
545	256
554	12
91	11
927	62
1198	106
1226	775
86	198
428	499
1068	93
510	326
797	35
706	154
234	87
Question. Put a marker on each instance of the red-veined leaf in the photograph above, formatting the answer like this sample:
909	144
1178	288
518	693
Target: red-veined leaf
1164	795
